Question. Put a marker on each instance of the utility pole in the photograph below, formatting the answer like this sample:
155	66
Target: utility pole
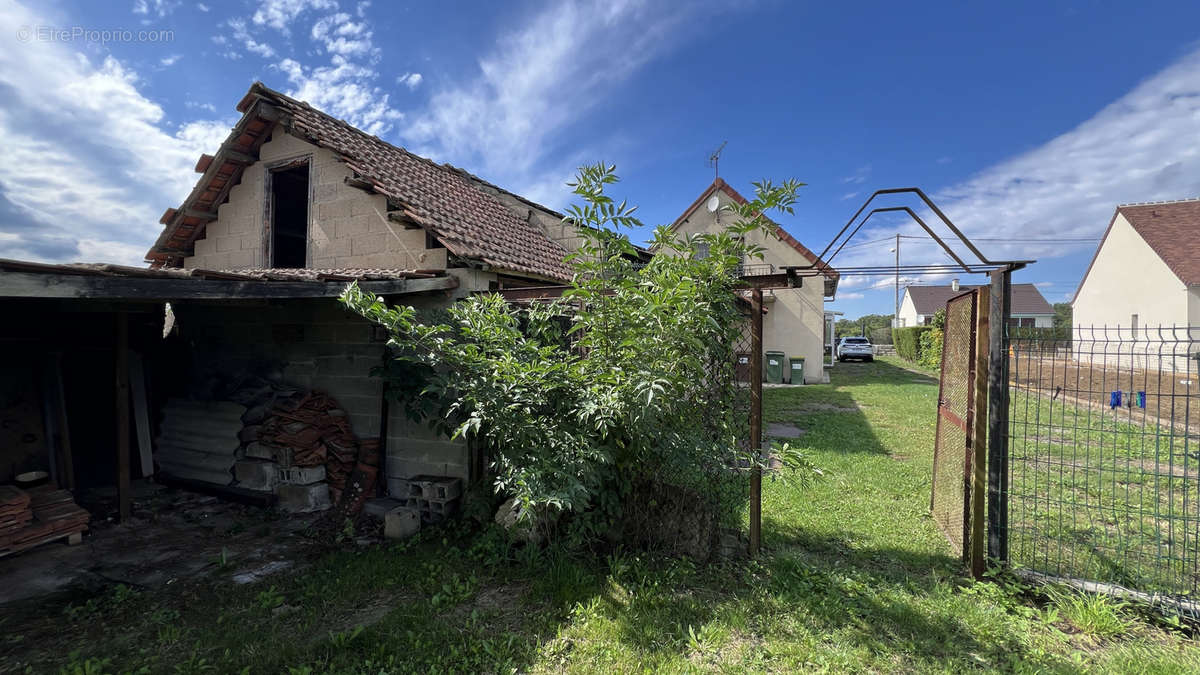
896	316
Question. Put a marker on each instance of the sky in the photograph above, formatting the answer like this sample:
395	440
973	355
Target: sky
1026	122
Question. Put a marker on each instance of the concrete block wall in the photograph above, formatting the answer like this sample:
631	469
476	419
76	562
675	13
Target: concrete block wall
316	344
348	227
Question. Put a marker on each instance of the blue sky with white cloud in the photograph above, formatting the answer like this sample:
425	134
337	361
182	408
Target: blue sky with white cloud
1023	120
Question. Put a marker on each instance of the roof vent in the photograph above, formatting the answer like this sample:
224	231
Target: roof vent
954	285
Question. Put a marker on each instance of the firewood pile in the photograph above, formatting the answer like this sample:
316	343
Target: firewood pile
39	515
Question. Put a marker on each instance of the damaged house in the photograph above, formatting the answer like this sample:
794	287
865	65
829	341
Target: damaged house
228	363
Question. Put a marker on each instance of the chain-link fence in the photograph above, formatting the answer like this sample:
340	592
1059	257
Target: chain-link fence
1104	460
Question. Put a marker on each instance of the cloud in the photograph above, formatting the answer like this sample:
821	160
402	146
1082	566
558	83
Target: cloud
89	162
202	7
343	89
340	35
201	105
849	195
410	80
1136	149
859	176
168	61
944	160
507	120
279	14
242	35
159	8
347	85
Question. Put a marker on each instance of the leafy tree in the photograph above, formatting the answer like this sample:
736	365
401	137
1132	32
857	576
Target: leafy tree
626	381
867	325
1062	320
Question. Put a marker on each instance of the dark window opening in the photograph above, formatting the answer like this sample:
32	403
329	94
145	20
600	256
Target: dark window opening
431	242
289	207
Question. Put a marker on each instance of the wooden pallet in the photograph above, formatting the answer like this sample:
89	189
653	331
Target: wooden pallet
73	539
51	514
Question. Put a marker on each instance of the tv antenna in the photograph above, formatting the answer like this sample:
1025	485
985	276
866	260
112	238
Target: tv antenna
715	158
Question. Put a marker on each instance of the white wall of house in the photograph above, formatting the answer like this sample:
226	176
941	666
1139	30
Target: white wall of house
1129	278
1129	283
795	319
348	227
908	313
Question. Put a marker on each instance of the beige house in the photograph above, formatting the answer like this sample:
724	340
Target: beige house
294	192
795	323
1140	296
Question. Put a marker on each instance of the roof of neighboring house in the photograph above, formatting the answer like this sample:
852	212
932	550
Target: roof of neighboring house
719	184
1172	230
1026	298
471	223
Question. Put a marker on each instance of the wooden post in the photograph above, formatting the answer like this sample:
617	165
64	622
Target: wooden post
999	311
979	470
756	378
122	394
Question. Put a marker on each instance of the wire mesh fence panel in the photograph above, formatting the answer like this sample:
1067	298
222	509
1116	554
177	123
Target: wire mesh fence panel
1104	460
951	464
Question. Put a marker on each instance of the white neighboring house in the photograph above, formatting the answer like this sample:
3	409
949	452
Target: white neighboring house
1141	292
920	303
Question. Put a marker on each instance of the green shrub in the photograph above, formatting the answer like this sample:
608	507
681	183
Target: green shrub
908	342
931	348
623	387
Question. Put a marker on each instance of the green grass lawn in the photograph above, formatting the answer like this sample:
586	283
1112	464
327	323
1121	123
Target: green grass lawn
856	578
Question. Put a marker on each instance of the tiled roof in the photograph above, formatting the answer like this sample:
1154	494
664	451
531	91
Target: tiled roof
469	222
831	275
275	274
1169	228
1026	298
1172	229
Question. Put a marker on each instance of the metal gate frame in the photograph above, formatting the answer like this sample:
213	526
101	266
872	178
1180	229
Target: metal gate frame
969	334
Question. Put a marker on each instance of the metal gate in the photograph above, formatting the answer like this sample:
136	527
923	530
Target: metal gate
959	440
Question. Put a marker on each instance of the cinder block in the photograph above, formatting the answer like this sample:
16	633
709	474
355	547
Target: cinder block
401	523
239	259
398	487
331	210
437	488
302	475
325	193
256	474
257	450
303	498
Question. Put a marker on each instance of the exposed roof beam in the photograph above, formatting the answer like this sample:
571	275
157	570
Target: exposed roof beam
29	285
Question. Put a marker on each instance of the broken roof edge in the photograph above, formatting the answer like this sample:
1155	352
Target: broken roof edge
101	281
250	274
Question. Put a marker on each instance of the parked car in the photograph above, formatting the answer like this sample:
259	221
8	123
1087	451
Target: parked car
855	348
